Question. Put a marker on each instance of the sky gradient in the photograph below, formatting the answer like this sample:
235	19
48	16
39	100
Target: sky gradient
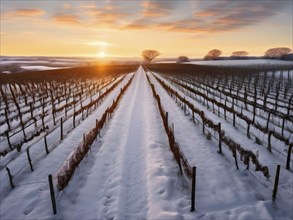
118	28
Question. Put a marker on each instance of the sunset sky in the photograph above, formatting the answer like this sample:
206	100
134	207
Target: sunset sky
118	28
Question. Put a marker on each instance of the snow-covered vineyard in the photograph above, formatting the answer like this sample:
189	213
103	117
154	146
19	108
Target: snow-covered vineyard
162	141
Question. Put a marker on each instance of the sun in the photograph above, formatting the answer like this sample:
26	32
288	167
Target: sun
101	54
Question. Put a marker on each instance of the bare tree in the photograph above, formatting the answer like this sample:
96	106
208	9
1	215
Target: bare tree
213	54
277	52
149	55
239	53
182	59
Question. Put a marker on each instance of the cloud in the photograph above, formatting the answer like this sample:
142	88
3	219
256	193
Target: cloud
226	16
23	13
110	16
209	17
67	6
152	15
180	16
156	9
88	6
66	18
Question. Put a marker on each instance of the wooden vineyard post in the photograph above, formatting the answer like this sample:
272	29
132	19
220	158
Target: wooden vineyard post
248	127
81	111
52	193
53	113
268	121
220	138
225	115
269	142
275	190
193	189
10	177
46	145
61	129
7	120
29	159
288	157
283	124
31	109
8	140
43	123
66	106
43	106
254	111
202	117
167	118
235	157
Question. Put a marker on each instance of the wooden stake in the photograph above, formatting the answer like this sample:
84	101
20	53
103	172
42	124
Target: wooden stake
247	132
46	145
167	118
276	183
202	118
289	156
8	140
220	138
61	129
52	194
235	157
269	142
10	178
29	159
193	189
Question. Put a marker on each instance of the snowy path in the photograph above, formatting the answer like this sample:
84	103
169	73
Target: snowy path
32	187
131	174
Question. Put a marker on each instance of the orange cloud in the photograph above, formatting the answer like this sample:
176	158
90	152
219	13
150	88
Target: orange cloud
23	12
107	16
205	14
88	6
66	18
155	9
67	6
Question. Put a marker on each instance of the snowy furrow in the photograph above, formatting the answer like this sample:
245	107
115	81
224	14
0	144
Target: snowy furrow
221	191
53	133
18	135
52	162
239	134
131	173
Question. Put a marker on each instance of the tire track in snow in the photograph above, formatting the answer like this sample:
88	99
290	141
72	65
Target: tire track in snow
116	182
133	199
144	170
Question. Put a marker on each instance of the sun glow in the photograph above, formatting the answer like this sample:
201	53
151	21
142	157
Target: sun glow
101	54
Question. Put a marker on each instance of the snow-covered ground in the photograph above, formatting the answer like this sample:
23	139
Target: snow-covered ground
130	172
41	67
222	190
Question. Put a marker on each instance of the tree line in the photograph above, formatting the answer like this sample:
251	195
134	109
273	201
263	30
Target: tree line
278	52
